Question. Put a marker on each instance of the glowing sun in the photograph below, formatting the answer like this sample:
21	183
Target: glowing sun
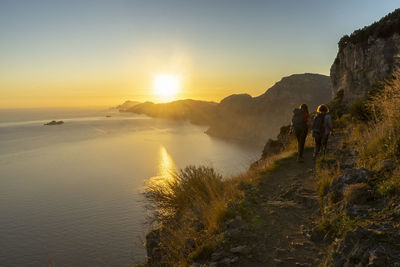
167	85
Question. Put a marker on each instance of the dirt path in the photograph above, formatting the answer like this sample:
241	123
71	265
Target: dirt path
285	204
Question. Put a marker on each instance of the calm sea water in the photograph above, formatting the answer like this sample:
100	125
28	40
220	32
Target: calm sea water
71	193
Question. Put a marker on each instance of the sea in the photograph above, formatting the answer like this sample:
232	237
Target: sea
72	194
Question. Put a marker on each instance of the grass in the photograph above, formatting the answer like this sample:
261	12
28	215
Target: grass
390	187
337	225
326	169
379	139
189	209
192	207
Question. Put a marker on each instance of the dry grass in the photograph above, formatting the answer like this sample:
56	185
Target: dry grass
190	209
379	139
326	169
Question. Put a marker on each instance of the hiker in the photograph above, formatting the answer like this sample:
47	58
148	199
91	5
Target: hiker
321	128
300	121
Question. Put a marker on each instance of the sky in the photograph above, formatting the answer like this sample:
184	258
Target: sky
100	53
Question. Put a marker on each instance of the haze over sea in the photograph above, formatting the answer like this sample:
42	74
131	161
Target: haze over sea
72	192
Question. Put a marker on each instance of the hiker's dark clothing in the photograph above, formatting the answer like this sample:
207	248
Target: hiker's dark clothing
301	140
321	141
299	123
322	126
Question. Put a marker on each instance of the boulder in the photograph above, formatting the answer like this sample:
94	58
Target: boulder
357	194
370	245
240	250
272	147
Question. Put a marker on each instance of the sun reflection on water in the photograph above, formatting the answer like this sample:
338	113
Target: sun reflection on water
166	168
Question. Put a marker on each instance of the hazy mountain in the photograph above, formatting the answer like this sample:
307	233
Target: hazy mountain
127	105
242	117
195	111
255	119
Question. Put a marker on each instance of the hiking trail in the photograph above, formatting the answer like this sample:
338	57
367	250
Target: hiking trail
285	205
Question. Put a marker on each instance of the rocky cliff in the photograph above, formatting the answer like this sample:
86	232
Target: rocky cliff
366	57
243	117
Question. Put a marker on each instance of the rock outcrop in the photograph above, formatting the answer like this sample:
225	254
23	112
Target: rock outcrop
367	57
54	123
242	117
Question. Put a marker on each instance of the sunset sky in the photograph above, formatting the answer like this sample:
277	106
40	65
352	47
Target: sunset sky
100	53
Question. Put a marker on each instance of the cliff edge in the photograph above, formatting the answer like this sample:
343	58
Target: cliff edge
367	57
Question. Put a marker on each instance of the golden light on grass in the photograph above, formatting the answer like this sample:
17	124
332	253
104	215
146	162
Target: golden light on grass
167	87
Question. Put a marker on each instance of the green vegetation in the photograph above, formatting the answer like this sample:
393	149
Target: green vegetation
338	225
384	28
337	107
326	168
359	110
390	187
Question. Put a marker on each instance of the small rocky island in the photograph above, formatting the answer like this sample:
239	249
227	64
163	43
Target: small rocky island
54	123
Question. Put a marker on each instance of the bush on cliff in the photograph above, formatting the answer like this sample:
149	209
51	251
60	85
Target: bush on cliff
187	210
384	28
379	139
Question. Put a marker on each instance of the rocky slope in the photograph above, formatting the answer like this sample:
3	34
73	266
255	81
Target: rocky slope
367	57
243	117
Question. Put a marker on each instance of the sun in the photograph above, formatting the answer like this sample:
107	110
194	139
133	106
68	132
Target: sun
166	86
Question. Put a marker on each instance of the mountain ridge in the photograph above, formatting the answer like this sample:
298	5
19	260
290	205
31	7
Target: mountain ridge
244	118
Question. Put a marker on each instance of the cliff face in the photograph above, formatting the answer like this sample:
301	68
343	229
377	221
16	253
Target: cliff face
358	67
367	57
242	117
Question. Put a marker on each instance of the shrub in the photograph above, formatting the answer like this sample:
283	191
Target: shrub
359	110
379	138
189	207
325	179
390	186
342	122
337	225
337	107
384	28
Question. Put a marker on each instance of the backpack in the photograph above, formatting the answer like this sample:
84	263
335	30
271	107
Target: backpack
298	120
318	124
